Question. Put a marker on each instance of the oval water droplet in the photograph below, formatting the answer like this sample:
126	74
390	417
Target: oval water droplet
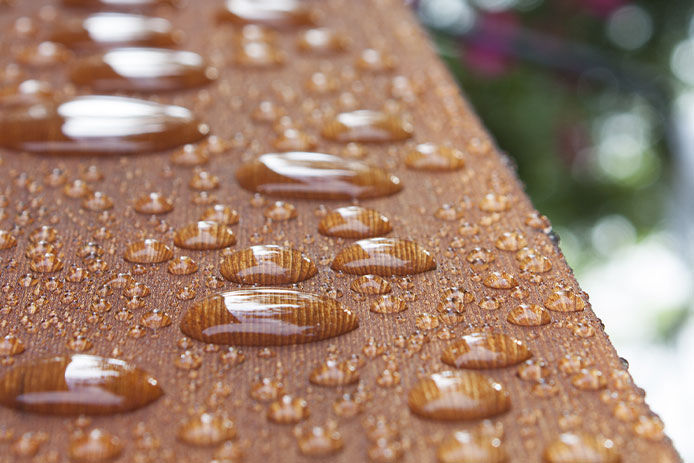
500	280
315	176
98	125
153	203
280	14
581	448
148	251
142	70
77	385
267	316
371	284
367	126
182	265
204	235
354	222
280	211
432	157
94	447
485	350
458	395
108	29
529	315
221	214
267	265
383	256
564	300
471	447
206	429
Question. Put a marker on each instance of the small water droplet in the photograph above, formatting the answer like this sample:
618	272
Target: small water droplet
432	157
267	316
371	284
322	41
529	315
280	211
332	373
287	410
500	280
153	203
471	447
7	240
483	350
148	251
581	447
354	222
319	441
280	14
367	126
204	235
206	429
221	214
564	300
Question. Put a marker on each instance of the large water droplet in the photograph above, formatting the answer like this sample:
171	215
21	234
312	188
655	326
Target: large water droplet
581	448
142	70
267	265
272	13
204	235
315	176
454	395
383	256
77	385
354	222
484	350
105	30
367	126
98	125
267	316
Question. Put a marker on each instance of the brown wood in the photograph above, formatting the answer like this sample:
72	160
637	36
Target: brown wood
459	216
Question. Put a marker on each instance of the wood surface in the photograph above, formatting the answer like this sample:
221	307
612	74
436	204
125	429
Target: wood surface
197	378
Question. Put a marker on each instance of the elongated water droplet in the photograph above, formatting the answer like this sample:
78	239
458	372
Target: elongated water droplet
458	395
484	350
267	265
383	256
371	284
107	30
149	251
77	385
98	125
529	315
581	448
94	447
280	14
206	429
429	156
204	235
315	176
471	447
354	222
367	126
142	70
267	316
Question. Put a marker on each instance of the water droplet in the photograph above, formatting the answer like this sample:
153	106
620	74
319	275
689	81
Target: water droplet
589	379
98	125
267	265
529	315
280	211
206	429
500	280
97	202
471	447
383	256
287	410
564	300
432	157
77	189
142	70
221	214
46	263
278	14
375	61
267	316
117	4
531	261
266	390
203	181
259	55
366	126
190	155
534	370
495	203
319	441
28	92
315	176
44	54
114	29
483	350
76	385
182	265
7	240
155	319
294	140
29	443
149	251
11	345
371	284
94	447
354	222
581	448
510	241
153	203
322	41
332	373
204	235
458	395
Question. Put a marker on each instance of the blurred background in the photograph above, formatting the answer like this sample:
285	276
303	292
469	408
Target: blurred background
594	99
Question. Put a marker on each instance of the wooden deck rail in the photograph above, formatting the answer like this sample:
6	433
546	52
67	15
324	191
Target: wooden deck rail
485	345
